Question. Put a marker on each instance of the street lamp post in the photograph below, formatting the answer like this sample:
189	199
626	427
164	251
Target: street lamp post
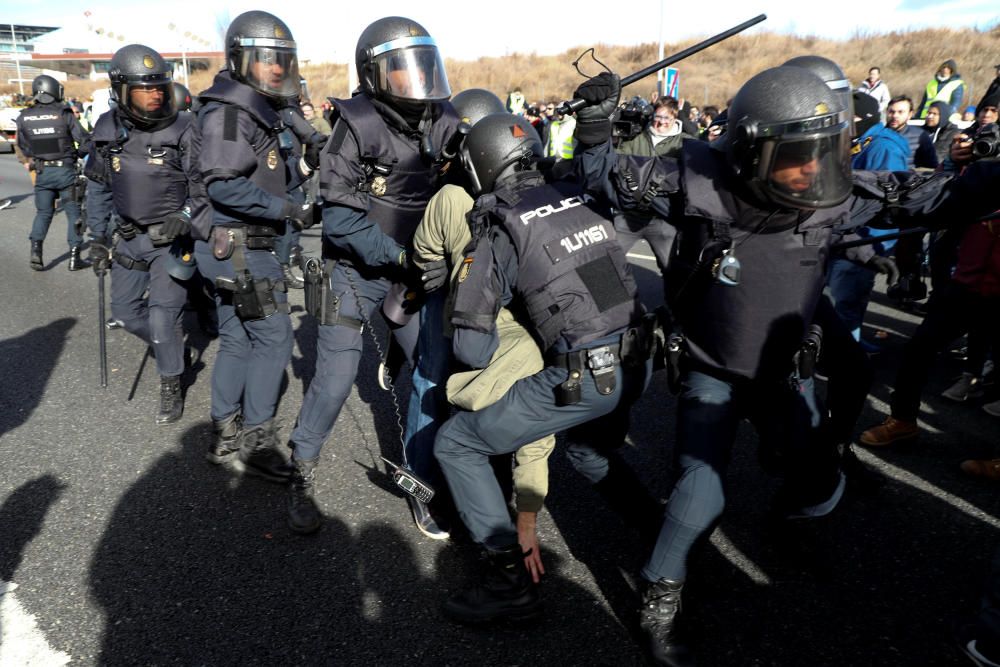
17	60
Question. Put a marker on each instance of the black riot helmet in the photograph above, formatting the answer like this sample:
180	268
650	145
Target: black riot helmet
832	75
398	61
475	104
46	89
498	145
261	53
141	85
182	97
789	138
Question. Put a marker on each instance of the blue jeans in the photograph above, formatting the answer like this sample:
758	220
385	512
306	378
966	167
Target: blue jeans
709	412
50	183
428	407
851	286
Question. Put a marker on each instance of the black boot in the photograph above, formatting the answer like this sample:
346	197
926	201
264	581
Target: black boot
303	515
171	400
228	439
75	261
506	591
260	456
661	608
36	256
292	281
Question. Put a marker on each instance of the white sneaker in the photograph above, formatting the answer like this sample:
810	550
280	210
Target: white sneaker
4	204
425	522
966	387
992	408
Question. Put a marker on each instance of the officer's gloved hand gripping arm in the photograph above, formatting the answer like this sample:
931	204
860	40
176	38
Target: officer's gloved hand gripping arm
345	207
225	161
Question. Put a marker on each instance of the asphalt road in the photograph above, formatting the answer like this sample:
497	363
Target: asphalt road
126	547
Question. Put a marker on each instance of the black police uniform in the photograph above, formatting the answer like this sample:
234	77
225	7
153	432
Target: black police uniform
52	137
248	174
145	176
550	253
375	183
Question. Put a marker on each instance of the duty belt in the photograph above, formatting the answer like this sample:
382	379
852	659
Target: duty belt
254	237
129	262
577	359
58	163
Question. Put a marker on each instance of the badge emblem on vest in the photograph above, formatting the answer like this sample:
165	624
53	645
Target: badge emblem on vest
116	163
466	267
272	159
377	187
148	62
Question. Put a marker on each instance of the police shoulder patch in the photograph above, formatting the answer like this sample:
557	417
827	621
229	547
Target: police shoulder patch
463	271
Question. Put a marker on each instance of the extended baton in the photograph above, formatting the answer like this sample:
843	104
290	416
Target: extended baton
102	340
577	104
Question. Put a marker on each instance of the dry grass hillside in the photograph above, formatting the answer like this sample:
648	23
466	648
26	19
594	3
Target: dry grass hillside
907	59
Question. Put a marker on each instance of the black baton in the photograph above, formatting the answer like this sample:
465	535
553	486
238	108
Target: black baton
102	340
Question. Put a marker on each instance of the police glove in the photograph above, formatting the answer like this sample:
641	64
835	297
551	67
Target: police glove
311	156
298	215
885	266
433	274
100	255
176	224
593	122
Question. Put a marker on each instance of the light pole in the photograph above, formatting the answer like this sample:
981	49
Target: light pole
659	75
17	60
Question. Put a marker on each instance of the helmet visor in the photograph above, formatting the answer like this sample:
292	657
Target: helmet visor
150	102
808	172
412	73
274	71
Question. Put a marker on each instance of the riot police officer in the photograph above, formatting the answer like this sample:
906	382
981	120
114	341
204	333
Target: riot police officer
755	212
51	138
378	170
548	251
249	166
143	167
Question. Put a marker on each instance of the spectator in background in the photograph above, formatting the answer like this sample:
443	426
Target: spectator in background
969	115
898	114
940	129
946	86
318	122
515	102
708	114
993	89
561	141
694	114
852	273
663	136
875	87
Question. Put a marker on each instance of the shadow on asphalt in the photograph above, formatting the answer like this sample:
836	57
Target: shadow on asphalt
197	567
27	362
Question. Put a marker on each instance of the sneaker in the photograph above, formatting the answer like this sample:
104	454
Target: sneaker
981	651
966	387
426	523
987	469
5	203
888	432
992	408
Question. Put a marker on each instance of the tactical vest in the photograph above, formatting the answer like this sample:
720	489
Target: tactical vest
145	170
755	327
242	100
46	127
572	275
400	180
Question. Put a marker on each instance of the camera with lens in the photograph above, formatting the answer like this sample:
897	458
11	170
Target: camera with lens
631	119
533	110
986	142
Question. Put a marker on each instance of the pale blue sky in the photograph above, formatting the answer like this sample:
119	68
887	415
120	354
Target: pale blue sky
327	31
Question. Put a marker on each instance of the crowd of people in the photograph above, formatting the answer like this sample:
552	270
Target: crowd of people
502	228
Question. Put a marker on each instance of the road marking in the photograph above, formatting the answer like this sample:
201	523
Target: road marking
22	644
908	478
738	558
635	255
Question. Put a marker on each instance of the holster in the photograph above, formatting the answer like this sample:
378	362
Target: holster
321	301
252	299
